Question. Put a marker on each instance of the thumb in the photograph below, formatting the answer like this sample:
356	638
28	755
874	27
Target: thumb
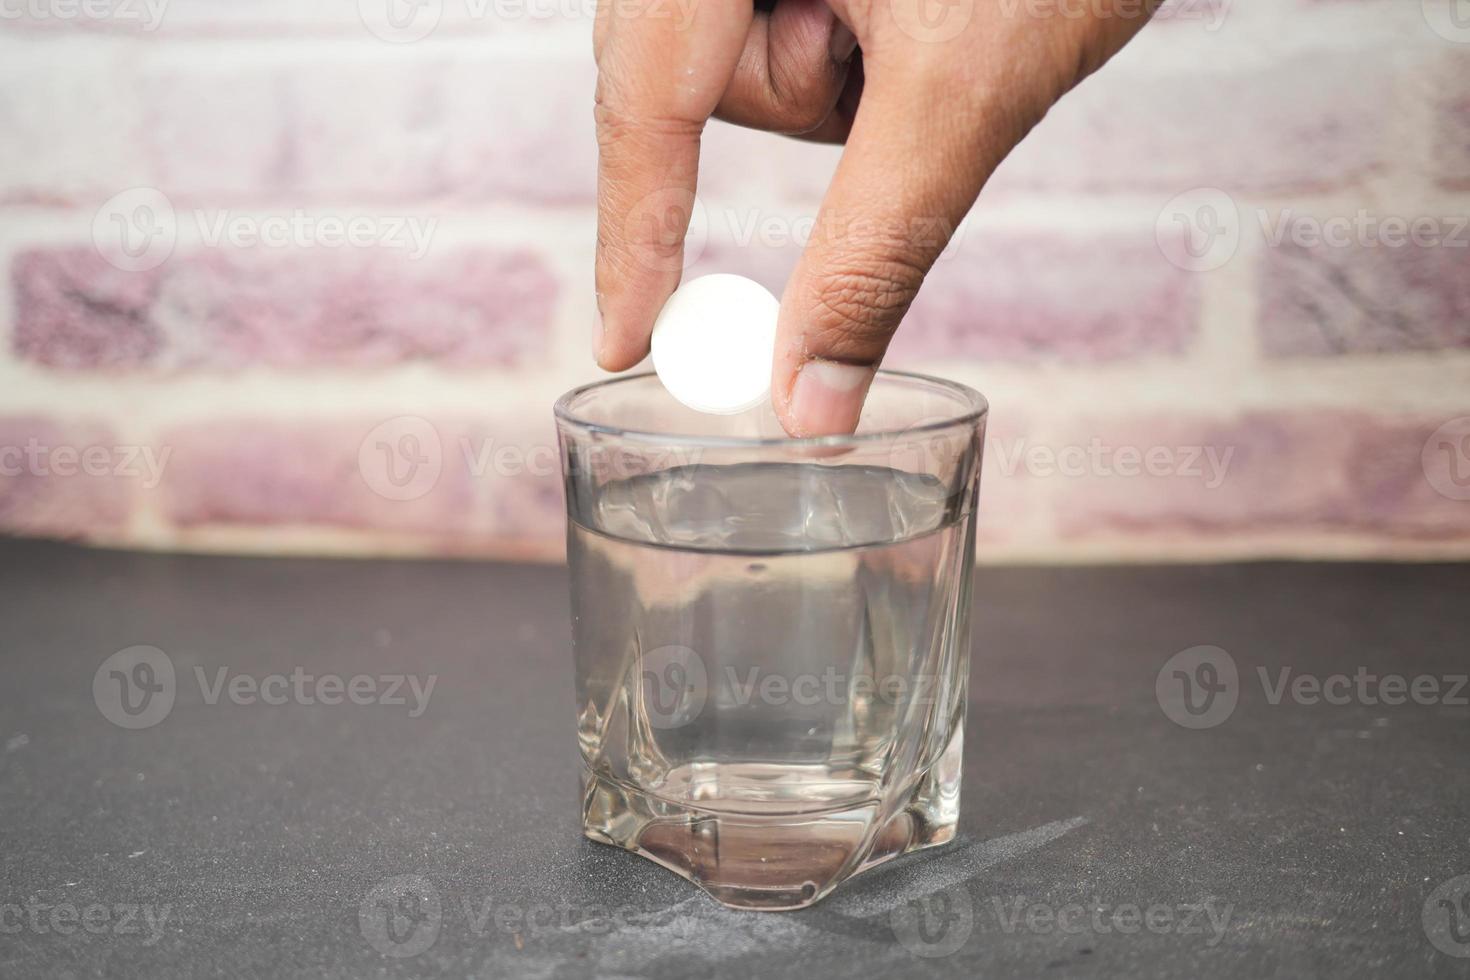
913	166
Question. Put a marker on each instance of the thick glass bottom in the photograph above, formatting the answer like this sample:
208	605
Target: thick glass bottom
780	849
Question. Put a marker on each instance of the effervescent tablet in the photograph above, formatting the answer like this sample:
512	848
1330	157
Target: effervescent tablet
714	341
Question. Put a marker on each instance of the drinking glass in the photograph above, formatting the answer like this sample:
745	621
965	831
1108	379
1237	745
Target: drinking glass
770	634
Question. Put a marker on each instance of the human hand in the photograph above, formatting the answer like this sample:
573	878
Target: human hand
928	107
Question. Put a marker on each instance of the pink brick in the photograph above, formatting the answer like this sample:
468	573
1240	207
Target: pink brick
1038	297
1311	121
516	466
301	473
290	308
1452	125
48	486
70	125
1324	301
254	155
375	128
1311	470
330	474
1027	297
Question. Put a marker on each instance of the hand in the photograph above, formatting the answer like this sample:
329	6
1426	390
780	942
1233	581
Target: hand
928	95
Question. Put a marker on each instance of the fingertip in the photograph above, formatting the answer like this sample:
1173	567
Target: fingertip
826	398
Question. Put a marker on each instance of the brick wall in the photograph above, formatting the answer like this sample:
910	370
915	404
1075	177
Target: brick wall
254	252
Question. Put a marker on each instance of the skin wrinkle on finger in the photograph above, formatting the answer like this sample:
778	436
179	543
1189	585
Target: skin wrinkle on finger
926	114
786	81
657	85
912	154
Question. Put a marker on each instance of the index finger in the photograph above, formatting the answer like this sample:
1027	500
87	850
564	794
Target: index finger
661	72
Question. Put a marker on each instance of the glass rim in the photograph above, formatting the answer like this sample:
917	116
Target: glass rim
977	407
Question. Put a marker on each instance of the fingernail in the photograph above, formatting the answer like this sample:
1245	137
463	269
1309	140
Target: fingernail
842	43
827	397
597	332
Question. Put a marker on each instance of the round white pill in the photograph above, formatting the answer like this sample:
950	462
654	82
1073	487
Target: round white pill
714	341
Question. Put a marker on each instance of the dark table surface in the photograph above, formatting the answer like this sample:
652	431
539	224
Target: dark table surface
229	837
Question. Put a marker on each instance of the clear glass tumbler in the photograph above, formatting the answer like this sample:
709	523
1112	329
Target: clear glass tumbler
771	634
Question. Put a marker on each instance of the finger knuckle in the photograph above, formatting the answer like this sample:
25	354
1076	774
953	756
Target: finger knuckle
799	104
618	123
857	302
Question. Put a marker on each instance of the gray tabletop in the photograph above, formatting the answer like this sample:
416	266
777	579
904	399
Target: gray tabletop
297	800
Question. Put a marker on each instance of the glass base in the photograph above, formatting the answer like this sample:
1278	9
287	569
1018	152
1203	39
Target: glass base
769	855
